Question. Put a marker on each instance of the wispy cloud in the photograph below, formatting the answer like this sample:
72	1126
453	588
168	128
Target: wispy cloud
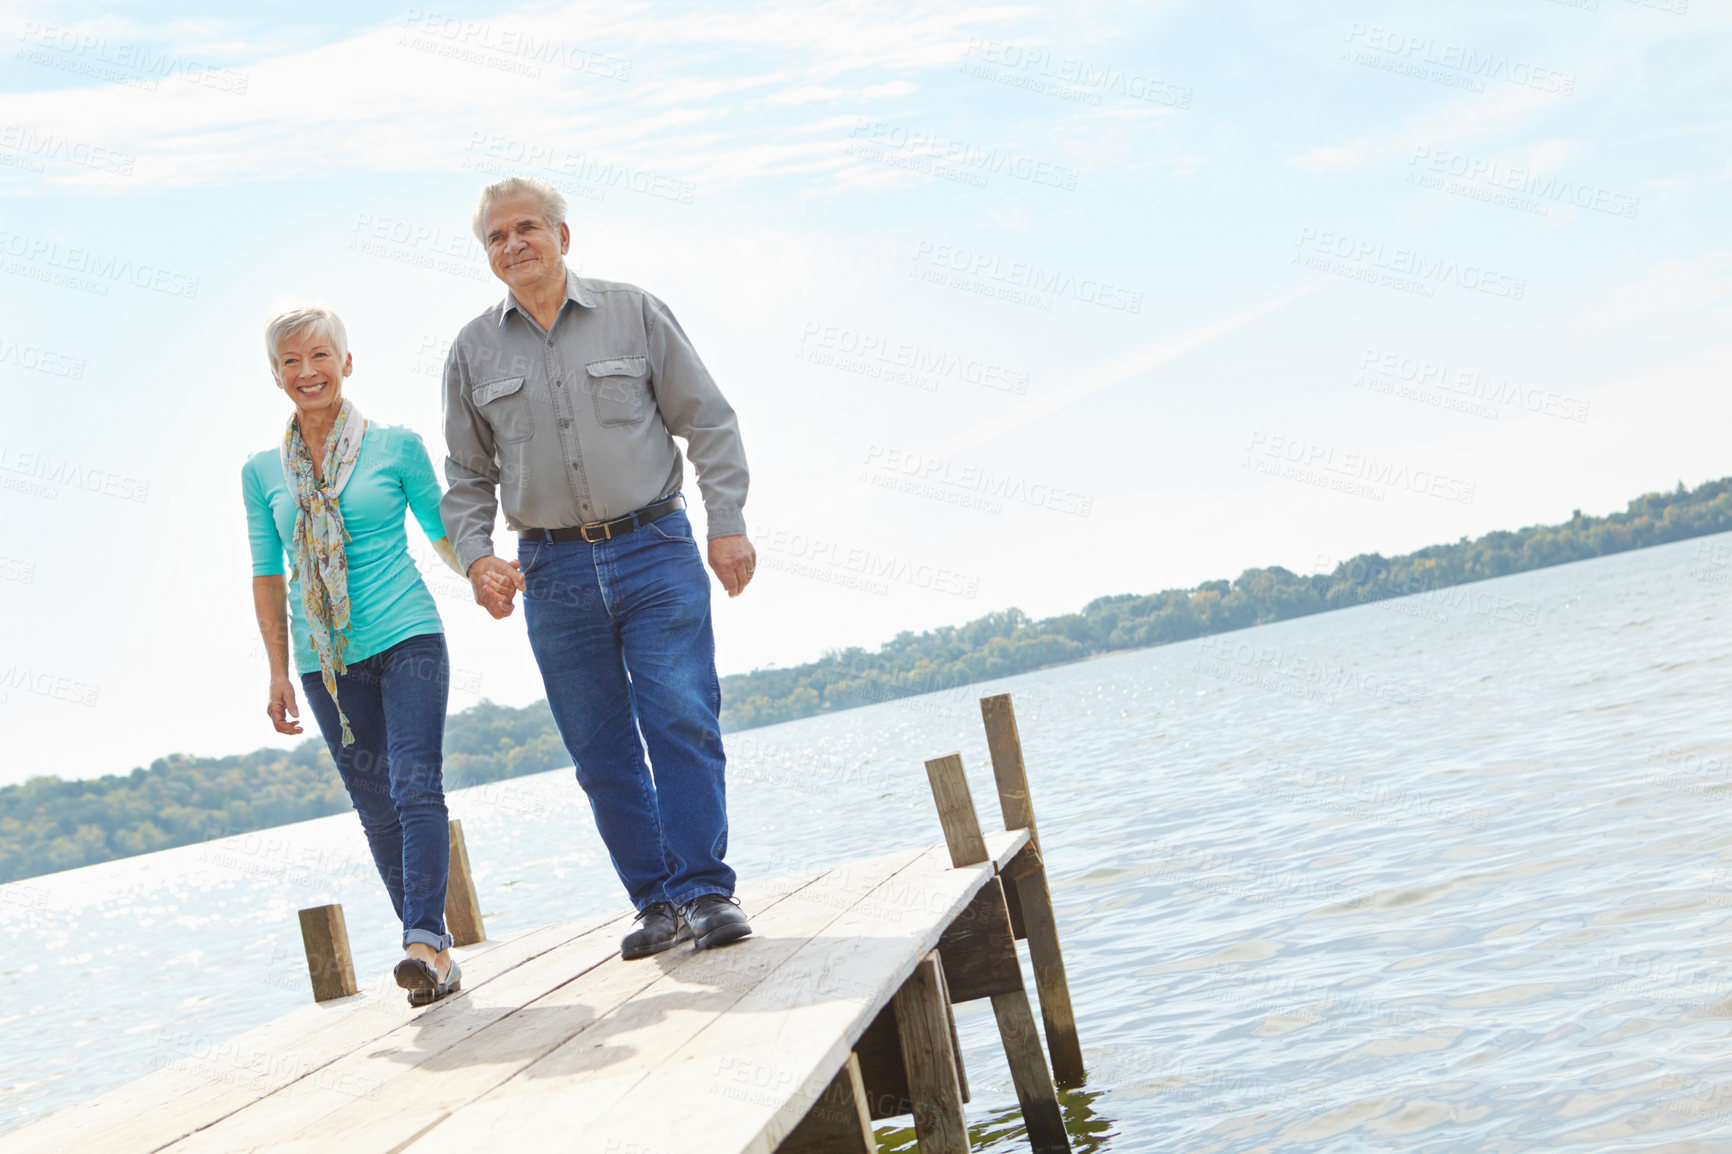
512	76
1125	367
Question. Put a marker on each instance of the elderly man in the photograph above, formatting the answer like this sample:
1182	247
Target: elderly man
564	399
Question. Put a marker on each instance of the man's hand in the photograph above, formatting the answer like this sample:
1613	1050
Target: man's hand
733	560
281	708
496	584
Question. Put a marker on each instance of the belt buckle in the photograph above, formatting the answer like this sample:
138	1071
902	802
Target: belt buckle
583	531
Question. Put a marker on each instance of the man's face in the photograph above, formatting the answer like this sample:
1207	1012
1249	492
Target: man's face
522	248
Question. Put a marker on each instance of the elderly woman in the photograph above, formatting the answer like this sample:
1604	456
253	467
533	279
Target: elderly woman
368	642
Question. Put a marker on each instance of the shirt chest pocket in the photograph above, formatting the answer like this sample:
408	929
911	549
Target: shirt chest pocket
505	407
621	389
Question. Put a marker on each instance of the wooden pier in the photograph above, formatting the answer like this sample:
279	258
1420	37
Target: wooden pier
835	1013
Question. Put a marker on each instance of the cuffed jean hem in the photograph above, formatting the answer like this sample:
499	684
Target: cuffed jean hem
682	903
426	938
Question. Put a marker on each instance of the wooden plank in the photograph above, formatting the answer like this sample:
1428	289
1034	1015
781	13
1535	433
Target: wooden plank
838	1122
956	810
923	1029
1004	846
462	906
978	949
455	1052
726	1055
1028	1072
371	1078
325	938
1008	770
832	987
216	1077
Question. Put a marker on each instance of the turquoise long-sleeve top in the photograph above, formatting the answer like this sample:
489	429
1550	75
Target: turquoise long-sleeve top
388	601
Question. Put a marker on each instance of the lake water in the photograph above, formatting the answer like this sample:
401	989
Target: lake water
1445	873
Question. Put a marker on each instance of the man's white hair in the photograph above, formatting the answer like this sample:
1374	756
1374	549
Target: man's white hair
552	203
299	319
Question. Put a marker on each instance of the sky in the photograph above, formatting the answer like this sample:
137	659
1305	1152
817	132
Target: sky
1018	305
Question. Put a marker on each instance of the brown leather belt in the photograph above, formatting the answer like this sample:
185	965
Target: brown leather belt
596	531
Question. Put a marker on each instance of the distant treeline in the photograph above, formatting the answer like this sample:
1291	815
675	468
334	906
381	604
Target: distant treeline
1008	642
50	824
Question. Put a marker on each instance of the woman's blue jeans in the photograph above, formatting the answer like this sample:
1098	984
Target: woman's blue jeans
395	701
621	631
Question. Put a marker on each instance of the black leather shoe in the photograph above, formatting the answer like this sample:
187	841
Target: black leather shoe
715	921
662	929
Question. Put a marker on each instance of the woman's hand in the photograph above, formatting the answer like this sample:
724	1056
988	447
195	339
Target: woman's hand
282	709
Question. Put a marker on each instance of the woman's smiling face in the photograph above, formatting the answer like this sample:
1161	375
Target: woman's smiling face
309	371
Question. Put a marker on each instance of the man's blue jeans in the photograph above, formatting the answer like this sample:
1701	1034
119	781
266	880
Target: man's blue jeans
621	630
394	771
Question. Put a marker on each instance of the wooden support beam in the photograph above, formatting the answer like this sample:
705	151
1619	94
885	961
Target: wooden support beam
838	1122
882	1070
1032	892
325	937
1007	767
955	1034
462	907
1034	1089
923	1028
956	810
1013	902
978	949
1028	1069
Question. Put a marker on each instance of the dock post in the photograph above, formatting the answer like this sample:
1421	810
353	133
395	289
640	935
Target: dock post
838	1122
1016	1029
325	937
462	907
1033	895
923	1027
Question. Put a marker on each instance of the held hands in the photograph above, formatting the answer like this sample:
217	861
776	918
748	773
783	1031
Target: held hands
496	584
282	709
733	560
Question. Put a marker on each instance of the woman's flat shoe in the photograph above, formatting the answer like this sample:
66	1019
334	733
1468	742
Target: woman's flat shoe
422	980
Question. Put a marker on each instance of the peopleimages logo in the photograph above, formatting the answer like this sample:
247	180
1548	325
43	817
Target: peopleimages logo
488	150
48	146
1471	64
1019	281
40	360
1297	459
93	263
40	467
1471	385
959	154
101	57
1520	181
1317	247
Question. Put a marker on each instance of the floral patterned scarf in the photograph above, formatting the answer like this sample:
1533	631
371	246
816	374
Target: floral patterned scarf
317	549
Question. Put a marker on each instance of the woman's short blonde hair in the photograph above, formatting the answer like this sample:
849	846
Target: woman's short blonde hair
289	322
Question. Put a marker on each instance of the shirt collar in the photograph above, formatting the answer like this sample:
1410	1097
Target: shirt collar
575	290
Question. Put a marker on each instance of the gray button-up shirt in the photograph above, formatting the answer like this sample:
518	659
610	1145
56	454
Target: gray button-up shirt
578	424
